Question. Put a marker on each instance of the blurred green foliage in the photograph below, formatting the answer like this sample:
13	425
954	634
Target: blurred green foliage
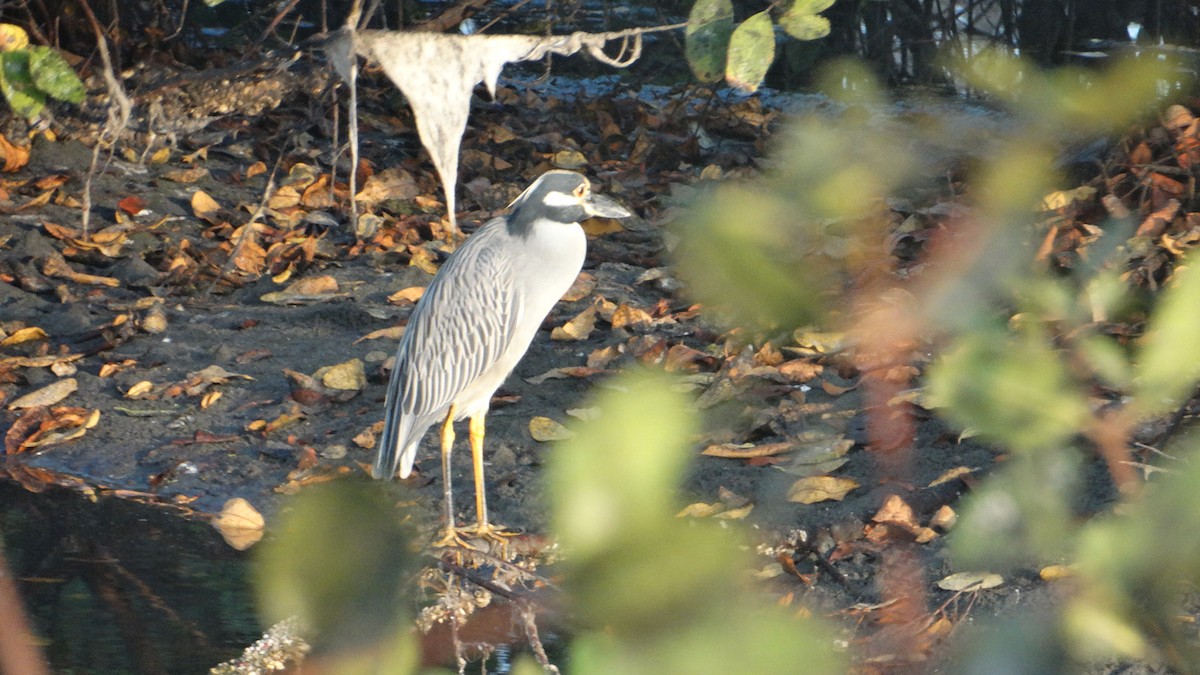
659	594
1021	347
345	567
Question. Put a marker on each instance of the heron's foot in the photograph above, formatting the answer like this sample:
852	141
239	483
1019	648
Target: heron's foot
496	533
487	539
456	538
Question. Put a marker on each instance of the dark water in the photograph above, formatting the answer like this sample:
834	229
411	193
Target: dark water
119	587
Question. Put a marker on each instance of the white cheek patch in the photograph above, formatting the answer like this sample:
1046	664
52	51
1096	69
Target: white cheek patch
560	199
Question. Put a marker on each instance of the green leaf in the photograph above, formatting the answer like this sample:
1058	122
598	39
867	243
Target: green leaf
17	86
751	51
804	26
344	600
710	24
53	75
1013	388
1169	363
810	6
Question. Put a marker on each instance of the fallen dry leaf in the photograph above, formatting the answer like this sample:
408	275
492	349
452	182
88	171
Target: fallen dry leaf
209	398
348	375
62	428
701	510
970	581
15	156
205	207
308	289
392	332
240	524
26	334
407	296
944	518
1057	572
190	175
951	474
579	328
582	287
563	374
140	389
392	183
47	395
628	315
813	489
132	205
544	429
746	450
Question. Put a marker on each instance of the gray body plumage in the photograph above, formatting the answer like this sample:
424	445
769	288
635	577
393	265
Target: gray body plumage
480	313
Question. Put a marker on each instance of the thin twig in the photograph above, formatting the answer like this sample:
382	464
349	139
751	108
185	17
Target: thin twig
120	109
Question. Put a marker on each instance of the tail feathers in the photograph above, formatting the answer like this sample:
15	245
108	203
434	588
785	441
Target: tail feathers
397	447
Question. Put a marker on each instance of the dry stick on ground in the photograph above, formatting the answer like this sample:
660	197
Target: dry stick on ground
120	109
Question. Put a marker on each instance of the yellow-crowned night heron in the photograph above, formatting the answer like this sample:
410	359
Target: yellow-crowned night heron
475	322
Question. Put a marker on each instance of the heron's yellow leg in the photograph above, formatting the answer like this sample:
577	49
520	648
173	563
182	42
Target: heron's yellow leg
482	527
450	535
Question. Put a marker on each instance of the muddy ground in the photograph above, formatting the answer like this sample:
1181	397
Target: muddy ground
175	454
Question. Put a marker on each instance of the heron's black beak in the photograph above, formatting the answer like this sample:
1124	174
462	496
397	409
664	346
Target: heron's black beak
599	205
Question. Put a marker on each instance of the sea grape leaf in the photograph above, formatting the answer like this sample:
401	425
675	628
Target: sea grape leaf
17	86
710	24
804	26
53	75
751	51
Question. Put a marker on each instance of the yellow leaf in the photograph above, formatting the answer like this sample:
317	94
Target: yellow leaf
423	258
240	524
209	399
160	156
813	489
1056	572
393	332
970	581
579	328
628	315
735	514
544	429
23	335
569	159
584	284
951	474
12	38
700	510
204	206
746	450
140	389
347	376
407	296
944	518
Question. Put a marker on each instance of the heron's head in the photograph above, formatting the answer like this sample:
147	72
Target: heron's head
561	197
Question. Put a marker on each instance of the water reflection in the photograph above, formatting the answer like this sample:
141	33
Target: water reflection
119	587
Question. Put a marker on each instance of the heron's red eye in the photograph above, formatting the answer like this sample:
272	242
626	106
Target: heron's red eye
580	191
